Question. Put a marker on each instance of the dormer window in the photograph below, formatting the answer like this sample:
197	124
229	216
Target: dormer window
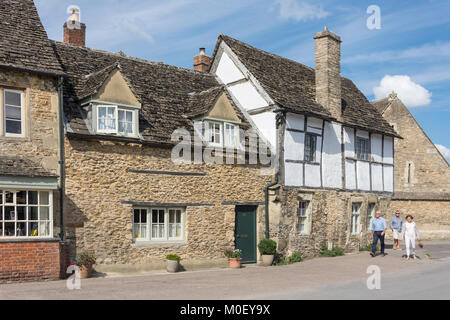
221	134
118	120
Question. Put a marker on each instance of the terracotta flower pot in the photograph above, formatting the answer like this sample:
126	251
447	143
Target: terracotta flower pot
267	259
85	272
235	263
172	265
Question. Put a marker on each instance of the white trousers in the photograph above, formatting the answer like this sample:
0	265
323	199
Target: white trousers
410	242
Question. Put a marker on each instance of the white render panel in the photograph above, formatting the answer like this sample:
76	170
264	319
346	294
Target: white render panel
227	70
388	150
331	156
293	174
312	175
350	182
377	177
375	147
293	145
295	121
314	125
248	96
388	172
349	141
363	175
362	134
265	122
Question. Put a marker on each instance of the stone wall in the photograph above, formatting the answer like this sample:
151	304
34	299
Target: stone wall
98	181
40	143
329	220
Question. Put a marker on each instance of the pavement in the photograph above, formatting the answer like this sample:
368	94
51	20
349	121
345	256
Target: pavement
342	277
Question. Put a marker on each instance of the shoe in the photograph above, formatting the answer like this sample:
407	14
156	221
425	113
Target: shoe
407	258
414	257
372	254
383	254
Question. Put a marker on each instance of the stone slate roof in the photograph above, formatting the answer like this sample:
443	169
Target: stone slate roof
167	93
419	196
15	166
23	40
292	86
382	104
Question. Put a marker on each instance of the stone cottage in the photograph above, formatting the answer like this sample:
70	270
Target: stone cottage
422	174
29	146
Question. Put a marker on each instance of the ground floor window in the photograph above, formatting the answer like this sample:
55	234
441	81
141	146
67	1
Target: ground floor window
356	218
158	224
370	215
303	217
26	213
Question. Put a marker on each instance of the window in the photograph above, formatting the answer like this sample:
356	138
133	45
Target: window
362	148
310	147
221	134
355	225
370	215
13	112
303	214
158	224
112	119
26	213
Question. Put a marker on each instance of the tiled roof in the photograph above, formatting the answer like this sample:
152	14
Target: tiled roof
23	40
292	86
163	90
382	104
15	166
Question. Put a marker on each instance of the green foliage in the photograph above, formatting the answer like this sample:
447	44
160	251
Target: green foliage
267	246
281	261
174	257
235	254
85	259
295	257
368	247
336	251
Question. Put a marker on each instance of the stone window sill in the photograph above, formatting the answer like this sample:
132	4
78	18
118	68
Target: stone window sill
153	244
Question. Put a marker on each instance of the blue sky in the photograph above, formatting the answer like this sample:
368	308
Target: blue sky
411	51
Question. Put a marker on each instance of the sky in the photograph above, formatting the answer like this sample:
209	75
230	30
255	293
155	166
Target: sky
406	50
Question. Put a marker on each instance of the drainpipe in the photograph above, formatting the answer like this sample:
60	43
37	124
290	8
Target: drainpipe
61	158
266	193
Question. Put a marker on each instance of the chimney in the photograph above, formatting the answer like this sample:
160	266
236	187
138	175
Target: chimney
202	61
74	30
328	71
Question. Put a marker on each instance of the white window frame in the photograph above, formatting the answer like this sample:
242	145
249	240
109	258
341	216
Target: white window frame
149	223
370	214
355	224
303	213
360	153
27	221
235	138
22	114
116	116
311	151
133	122
223	134
208	133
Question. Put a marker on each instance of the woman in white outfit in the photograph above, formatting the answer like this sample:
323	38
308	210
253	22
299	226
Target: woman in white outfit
410	234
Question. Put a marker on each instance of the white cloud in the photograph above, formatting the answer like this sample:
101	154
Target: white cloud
300	11
411	93
444	150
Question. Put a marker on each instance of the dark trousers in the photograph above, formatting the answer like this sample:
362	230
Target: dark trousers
377	235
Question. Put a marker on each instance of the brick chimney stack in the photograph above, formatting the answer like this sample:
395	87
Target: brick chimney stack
328	71
202	61
74	30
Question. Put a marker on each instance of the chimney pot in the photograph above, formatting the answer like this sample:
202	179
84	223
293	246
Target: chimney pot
74	30
202	51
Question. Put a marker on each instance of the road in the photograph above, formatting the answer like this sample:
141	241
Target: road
321	278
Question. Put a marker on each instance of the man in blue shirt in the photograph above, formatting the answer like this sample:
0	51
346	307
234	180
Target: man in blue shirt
378	229
396	225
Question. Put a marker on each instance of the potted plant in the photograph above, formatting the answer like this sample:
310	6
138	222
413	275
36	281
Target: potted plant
172	262
85	262
234	257
267	248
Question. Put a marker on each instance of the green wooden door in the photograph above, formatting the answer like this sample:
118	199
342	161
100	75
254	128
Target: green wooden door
245	232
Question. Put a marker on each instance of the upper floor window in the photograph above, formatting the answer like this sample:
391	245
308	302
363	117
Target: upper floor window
362	148
221	134
13	113
310	147
116	120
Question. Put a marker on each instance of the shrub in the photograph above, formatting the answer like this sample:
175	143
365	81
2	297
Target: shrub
281	261
267	246
173	257
84	260
368	247
234	254
295	257
336	251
